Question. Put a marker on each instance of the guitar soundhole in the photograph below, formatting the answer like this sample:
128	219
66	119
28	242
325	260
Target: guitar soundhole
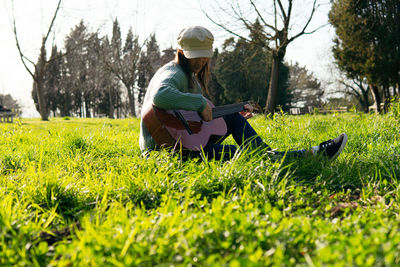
195	126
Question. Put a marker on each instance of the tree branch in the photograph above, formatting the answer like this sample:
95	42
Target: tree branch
52	21
289	15
239	16
353	91
220	25
21	54
261	17
283	10
303	31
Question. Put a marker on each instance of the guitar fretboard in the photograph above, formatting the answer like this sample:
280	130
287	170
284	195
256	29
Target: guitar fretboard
227	109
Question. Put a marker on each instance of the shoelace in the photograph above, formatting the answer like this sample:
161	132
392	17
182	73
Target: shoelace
326	144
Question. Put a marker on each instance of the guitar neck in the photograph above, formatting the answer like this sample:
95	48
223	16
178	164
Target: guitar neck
227	109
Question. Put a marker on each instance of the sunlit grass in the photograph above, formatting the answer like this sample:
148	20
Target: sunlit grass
79	192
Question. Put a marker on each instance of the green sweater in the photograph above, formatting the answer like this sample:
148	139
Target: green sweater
168	89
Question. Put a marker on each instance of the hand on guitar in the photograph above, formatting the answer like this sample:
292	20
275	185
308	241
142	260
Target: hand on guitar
247	113
206	114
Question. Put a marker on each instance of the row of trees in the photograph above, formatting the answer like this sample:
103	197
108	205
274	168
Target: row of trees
66	81
101	75
367	48
97	75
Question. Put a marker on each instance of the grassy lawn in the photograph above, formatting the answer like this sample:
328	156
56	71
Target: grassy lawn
78	192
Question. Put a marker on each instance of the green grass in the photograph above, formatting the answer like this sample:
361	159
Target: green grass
78	192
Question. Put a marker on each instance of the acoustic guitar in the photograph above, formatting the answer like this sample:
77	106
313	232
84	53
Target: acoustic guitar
186	129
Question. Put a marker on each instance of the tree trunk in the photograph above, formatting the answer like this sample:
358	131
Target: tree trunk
111	108
38	83
273	85
365	101
377	98
118	105
87	108
387	98
131	99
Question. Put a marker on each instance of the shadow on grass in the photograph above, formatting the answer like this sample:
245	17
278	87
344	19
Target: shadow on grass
66	201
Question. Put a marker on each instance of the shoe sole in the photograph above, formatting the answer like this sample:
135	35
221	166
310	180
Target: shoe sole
341	147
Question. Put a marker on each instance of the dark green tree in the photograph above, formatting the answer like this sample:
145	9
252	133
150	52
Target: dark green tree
150	60
284	96
52	81
64	97
367	43
109	94
143	79
76	67
38	90
123	62
103	96
215	89
153	54
240	70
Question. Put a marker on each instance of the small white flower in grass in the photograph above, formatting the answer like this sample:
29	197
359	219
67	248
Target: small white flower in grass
260	185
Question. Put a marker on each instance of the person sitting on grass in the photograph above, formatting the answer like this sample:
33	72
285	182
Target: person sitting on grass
182	85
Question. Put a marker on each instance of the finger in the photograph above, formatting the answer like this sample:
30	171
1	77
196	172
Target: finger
248	115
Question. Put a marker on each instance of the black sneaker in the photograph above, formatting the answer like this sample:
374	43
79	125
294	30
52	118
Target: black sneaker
332	148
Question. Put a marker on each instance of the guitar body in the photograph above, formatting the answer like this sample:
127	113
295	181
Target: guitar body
169	131
170	125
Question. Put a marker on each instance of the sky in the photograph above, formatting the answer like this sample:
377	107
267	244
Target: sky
165	18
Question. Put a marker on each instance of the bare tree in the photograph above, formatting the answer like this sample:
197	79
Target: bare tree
277	31
37	70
